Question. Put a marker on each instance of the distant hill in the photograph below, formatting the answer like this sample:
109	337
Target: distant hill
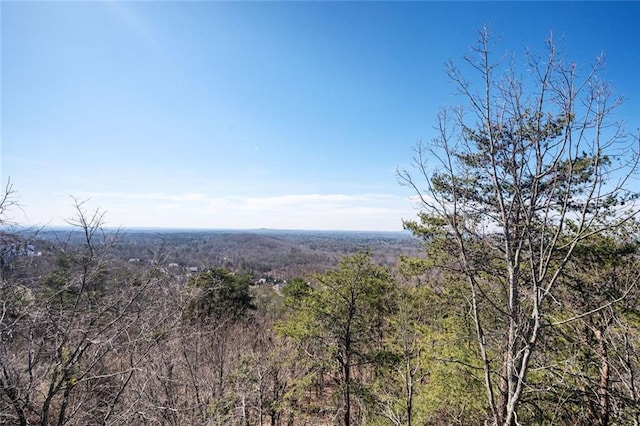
260	252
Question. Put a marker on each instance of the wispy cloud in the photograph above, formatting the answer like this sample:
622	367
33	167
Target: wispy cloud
292	211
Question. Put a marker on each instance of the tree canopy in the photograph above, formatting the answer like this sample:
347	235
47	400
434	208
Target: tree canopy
530	169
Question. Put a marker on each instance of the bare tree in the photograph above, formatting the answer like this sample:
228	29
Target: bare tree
532	167
593	326
71	345
8	200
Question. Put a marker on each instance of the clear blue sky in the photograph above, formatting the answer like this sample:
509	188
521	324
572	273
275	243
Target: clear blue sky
247	115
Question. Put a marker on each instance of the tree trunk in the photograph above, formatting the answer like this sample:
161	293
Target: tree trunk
603	388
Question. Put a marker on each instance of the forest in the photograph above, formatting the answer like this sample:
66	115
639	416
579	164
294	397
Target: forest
515	300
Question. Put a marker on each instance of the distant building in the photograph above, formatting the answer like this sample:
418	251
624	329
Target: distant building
9	251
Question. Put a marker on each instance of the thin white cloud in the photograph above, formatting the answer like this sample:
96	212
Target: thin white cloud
287	211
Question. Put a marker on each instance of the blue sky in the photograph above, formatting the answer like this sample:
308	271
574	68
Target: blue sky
287	115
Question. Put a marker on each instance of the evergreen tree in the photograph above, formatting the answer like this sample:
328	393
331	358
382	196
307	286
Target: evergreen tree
342	315
511	187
